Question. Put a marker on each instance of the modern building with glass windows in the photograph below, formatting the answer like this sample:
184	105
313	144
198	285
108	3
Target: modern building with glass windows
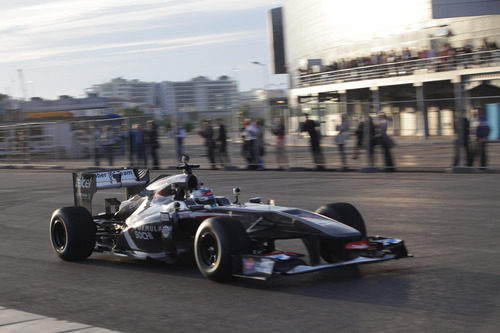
421	62
183	100
200	98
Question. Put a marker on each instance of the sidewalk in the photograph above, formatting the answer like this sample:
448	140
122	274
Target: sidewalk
409	154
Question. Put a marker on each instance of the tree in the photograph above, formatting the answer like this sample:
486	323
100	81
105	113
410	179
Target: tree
244	112
132	112
188	126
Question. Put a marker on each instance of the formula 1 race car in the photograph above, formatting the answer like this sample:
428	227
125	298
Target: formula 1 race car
173	216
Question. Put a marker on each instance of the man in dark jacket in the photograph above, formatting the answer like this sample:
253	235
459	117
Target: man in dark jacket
480	130
222	143
152	141
207	132
462	140
309	126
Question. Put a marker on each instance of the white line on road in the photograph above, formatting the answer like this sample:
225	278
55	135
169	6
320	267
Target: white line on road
25	322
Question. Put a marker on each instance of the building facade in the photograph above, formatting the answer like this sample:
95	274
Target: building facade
64	107
264	103
128	90
184	101
391	56
189	101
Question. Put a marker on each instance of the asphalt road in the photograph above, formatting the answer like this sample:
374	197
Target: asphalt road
450	222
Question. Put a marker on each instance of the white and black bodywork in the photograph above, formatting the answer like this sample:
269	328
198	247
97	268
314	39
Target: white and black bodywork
174	216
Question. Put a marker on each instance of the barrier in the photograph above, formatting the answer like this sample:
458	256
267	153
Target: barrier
74	144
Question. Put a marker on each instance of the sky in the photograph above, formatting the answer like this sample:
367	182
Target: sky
62	47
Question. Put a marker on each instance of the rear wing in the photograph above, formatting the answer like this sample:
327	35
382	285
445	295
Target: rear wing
86	183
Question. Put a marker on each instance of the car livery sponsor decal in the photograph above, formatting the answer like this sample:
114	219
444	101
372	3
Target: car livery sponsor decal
149	228
145	232
115	176
143	235
83	182
257	266
358	245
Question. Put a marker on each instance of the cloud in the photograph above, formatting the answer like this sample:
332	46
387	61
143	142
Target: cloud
37	31
129	47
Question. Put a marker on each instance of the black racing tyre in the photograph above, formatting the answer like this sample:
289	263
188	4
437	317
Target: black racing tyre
217	240
72	233
346	213
332	250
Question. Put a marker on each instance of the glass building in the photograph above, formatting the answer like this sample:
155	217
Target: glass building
393	56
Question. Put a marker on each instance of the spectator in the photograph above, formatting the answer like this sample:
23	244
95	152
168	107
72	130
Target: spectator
385	141
124	132
207	132
138	153
222	155
359	139
107	140
279	132
465	140
153	143
479	131
261	144
249	135
372	138
309	126
341	139
180	134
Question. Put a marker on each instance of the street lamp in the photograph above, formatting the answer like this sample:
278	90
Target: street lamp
264	75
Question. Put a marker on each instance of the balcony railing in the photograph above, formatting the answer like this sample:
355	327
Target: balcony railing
402	68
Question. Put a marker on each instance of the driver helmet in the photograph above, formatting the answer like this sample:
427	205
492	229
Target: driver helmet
204	196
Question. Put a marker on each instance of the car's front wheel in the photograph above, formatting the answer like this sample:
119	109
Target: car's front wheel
217	240
332	249
72	233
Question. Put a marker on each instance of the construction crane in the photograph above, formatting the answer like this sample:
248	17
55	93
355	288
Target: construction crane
22	83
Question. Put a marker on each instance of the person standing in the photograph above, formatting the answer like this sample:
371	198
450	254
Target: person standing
250	133
279	132
222	143
309	126
341	139
261	144
207	133
359	139
479	130
108	141
372	138
180	134
465	141
138	146
385	141
153	143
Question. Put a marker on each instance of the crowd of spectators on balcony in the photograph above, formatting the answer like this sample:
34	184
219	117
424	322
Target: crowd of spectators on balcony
446	58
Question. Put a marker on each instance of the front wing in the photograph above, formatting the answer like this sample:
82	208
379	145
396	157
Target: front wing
285	263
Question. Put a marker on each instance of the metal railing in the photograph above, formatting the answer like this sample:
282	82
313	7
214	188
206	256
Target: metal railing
73	145
402	68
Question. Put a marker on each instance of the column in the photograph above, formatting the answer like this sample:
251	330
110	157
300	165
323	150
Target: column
375	98
422	110
343	101
458	115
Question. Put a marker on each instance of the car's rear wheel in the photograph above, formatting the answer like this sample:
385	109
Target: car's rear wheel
72	233
217	240
332	249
